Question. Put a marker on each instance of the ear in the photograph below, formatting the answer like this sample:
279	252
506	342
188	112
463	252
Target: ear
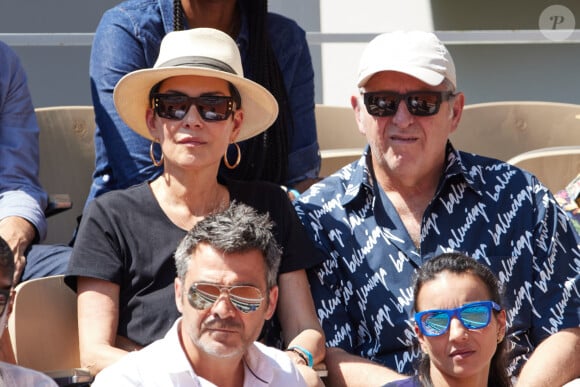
457	110
238	118
355	102
150	119
179	295
272	302
421	338
501	321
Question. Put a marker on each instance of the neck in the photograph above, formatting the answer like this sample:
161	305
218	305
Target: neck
188	197
222	15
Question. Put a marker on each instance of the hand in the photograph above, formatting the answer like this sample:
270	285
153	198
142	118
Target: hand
18	234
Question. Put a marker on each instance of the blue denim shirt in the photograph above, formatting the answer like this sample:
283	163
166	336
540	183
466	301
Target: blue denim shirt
490	210
20	191
128	38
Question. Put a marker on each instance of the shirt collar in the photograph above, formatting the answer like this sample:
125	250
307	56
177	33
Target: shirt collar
362	179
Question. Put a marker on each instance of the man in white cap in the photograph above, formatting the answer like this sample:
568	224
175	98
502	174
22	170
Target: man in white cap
411	196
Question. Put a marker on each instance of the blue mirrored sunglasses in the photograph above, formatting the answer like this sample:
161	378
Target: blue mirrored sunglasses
475	315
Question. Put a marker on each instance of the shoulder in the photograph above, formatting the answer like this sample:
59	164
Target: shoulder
489	171
256	193
10	64
8	54
137	18
269	363
136	194
278	22
329	190
132	7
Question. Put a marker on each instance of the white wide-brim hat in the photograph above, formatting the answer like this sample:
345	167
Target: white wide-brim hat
203	52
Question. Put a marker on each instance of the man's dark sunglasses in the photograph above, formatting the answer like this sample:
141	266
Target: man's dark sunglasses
419	103
210	107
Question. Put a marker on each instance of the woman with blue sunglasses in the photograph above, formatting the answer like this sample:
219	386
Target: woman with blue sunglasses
460	325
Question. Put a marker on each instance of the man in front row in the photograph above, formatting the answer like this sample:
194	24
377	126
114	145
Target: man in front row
412	196
225	289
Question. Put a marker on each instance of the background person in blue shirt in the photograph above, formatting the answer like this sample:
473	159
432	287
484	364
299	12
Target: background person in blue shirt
412	196
274	54
22	199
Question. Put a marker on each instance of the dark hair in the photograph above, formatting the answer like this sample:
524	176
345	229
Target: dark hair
6	259
266	155
239	228
461	264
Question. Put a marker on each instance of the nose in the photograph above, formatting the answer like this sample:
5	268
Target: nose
223	306
457	330
192	117
402	117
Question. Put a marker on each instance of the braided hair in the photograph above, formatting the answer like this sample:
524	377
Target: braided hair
266	155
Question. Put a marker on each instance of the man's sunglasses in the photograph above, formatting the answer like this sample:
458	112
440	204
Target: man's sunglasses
245	298
176	106
419	103
475	315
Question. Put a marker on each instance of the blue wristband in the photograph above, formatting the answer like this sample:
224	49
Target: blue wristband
305	352
295	193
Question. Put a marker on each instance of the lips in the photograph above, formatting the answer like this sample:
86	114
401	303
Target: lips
403	138
461	353
190	141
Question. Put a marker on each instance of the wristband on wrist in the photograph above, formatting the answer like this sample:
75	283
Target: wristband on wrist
303	353
294	192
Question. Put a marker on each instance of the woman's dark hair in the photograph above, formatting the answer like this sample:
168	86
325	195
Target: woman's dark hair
266	155
461	264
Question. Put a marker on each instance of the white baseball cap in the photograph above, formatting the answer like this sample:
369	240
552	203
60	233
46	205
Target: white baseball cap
419	54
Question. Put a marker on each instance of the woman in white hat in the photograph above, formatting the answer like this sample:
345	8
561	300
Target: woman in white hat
194	102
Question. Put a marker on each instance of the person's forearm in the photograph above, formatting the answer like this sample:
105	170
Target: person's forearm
297	316
313	341
554	362
345	369
97	357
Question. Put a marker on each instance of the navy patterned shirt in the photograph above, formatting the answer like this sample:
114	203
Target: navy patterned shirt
490	210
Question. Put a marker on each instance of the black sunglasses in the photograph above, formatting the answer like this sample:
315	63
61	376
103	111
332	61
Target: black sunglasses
419	103
245	298
210	107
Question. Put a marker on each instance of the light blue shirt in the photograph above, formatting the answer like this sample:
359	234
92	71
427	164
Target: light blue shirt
20	191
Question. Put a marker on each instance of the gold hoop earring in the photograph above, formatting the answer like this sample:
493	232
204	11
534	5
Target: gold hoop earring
152	155
227	163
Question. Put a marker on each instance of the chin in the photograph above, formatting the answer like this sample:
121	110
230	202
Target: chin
221	351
